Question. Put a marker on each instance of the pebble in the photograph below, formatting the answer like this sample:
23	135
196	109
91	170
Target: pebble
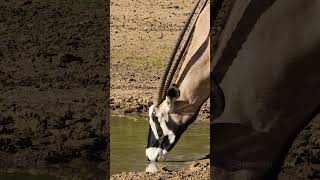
129	110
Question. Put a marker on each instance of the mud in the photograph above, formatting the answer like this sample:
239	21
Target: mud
142	34
53	82
303	159
195	170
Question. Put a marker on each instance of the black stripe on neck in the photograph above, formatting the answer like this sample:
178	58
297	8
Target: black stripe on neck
250	17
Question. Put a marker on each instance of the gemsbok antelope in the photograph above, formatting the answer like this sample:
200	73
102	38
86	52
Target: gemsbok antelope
267	64
178	105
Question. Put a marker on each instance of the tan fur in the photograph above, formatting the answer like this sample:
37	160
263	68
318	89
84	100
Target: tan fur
194	77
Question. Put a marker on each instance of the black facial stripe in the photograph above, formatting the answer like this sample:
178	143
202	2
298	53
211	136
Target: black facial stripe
180	129
152	141
158	127
174	143
164	142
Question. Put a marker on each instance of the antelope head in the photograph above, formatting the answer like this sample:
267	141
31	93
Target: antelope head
168	121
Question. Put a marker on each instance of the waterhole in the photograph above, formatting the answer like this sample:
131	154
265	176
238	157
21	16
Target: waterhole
128	140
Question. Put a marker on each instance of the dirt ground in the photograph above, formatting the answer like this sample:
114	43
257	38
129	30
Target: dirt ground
303	159
196	170
142	36
53	84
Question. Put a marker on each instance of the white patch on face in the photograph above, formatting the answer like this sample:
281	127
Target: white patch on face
152	124
155	154
167	131
162	118
171	137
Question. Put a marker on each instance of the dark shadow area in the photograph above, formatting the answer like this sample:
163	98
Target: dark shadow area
54	82
269	128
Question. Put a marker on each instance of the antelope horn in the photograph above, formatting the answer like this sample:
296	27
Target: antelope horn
182	52
160	95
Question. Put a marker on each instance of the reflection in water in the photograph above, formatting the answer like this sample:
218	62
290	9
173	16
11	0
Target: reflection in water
153	167
128	140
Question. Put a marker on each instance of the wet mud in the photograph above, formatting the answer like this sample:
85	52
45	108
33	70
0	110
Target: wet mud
53	84
142	35
194	170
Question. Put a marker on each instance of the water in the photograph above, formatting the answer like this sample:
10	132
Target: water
129	140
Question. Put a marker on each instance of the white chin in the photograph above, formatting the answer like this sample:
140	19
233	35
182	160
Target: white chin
155	154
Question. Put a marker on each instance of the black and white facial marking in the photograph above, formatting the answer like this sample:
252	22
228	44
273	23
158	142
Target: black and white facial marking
160	137
164	132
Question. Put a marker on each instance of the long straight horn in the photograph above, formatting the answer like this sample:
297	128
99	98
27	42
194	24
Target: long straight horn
161	95
182	51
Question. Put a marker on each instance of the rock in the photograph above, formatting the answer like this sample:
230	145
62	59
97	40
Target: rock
196	164
27	3
114	106
139	107
129	110
129	99
132	80
165	169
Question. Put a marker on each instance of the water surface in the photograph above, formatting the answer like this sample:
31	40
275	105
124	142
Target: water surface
128	140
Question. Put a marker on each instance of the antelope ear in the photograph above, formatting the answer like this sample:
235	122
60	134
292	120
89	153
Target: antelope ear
173	94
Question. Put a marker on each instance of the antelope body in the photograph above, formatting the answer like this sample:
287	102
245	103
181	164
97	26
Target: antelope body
267	64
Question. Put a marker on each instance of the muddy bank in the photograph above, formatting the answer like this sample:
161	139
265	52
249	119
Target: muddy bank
194	170
52	83
72	170
142	36
303	159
